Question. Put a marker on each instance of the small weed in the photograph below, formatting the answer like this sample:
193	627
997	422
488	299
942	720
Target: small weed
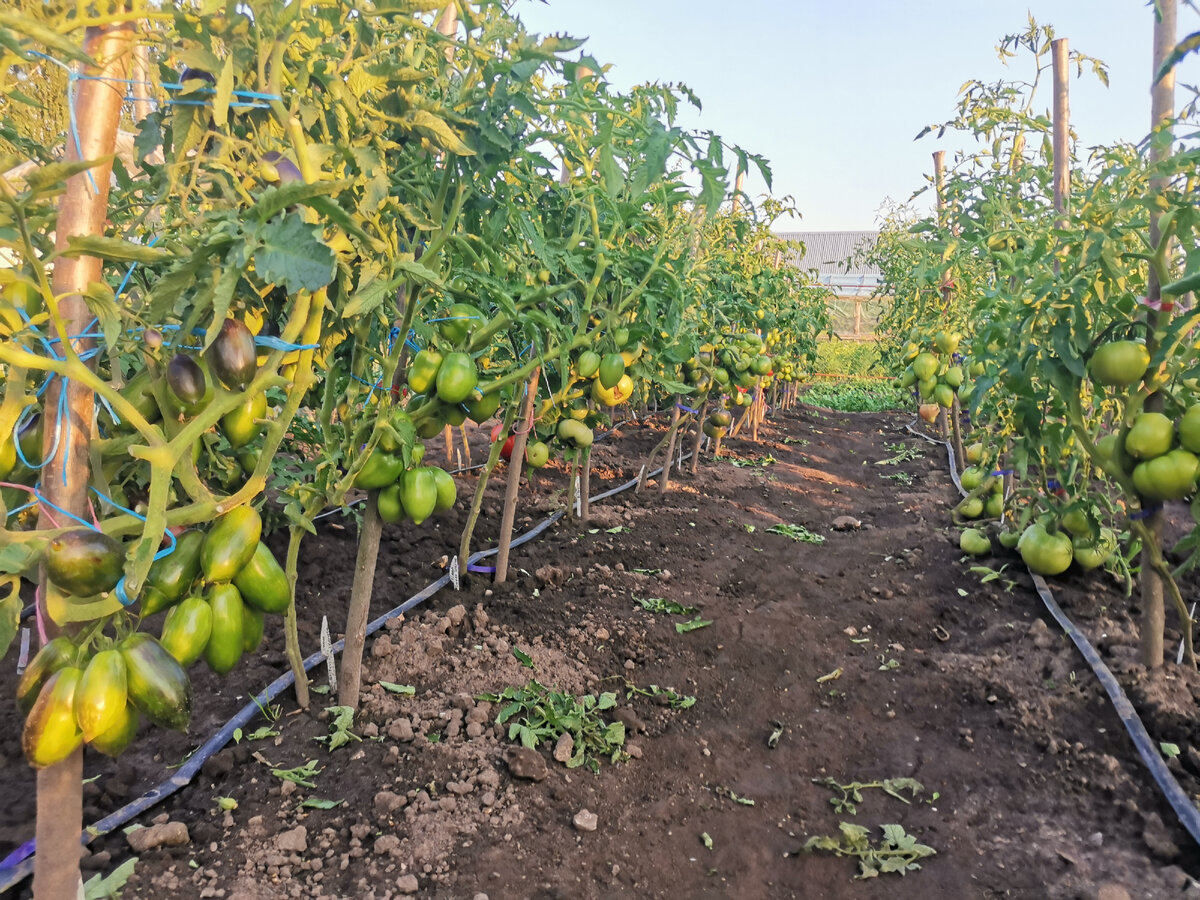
665	607
673	699
537	714
897	852
797	533
398	688
318	803
886	664
903	453
523	658
301	775
105	887
847	796
693	625
900	478
988	575
761	462
339	728
726	792
800	442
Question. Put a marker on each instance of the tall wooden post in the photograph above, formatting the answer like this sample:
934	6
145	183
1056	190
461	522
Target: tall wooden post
82	211
1162	105
939	180
142	105
1062	128
448	25
738	185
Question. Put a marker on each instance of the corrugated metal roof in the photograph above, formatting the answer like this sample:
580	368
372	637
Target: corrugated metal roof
828	251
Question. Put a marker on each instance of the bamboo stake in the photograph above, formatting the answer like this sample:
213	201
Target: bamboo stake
448	438
515	464
82	210
1162	104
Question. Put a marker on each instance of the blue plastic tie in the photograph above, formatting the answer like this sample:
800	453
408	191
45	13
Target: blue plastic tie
694	412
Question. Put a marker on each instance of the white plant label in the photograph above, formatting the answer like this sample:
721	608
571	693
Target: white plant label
578	499
23	658
327	652
454	573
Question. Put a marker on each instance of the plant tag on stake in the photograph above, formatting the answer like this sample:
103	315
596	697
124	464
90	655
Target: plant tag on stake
578	499
23	658
327	652
454	574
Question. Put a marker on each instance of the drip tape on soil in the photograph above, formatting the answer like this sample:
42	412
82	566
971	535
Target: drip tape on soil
1181	804
18	865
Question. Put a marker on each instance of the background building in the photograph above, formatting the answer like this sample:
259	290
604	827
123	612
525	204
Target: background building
835	255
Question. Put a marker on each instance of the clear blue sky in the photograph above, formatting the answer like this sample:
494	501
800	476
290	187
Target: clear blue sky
833	93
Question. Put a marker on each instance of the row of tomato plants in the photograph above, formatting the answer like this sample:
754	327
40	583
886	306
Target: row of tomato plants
1065	333
345	229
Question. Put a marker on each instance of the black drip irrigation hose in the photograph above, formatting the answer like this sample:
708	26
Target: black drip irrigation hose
1182	805
18	865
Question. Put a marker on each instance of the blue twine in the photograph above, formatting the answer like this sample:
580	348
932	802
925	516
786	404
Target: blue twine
457	319
687	409
125	281
274	343
72	78
1004	472
1053	485
125	599
1150	510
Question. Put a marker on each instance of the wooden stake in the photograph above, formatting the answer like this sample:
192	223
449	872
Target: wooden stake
358	613
665	479
448	437
82	210
956	430
516	463
699	438
466	446
1162	104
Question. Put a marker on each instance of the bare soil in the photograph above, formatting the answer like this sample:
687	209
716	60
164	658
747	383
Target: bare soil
874	654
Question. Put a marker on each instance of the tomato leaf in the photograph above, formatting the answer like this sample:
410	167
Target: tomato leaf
113	249
293	255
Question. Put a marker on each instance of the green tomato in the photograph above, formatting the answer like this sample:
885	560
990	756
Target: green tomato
1044	552
1091	554
1171	476
1150	436
974	542
1119	363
